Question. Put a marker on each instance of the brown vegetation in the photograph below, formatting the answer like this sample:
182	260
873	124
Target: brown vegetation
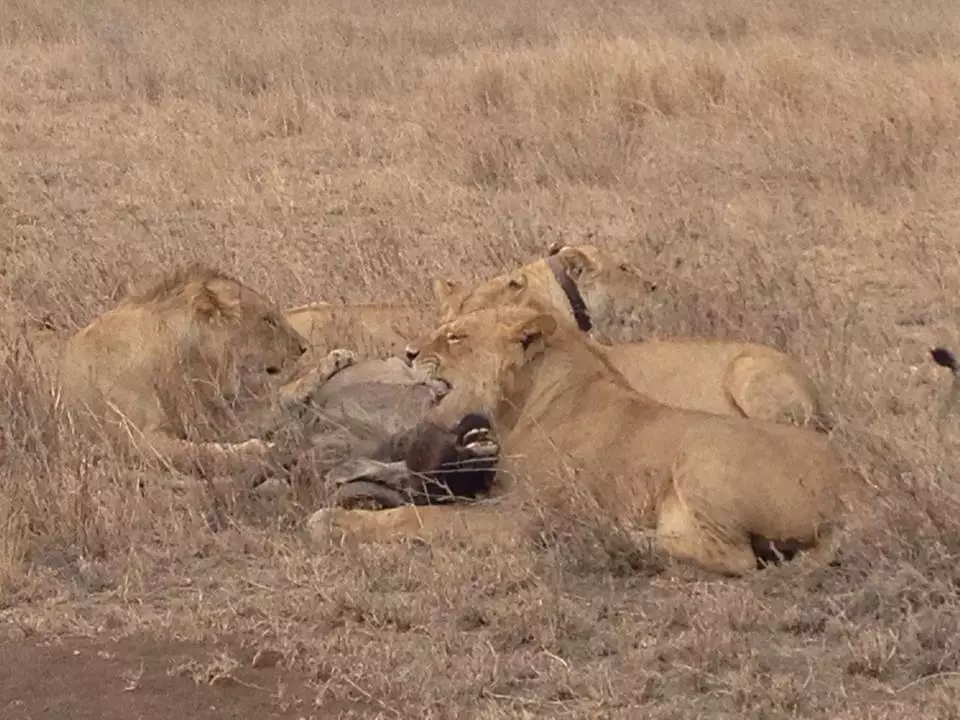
787	173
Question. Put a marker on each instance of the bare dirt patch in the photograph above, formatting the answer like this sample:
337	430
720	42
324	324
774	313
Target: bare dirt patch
147	678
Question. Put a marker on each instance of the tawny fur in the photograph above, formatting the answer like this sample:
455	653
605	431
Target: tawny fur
374	330
176	369
720	376
716	488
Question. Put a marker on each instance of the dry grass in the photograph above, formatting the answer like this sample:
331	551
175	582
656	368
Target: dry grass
788	173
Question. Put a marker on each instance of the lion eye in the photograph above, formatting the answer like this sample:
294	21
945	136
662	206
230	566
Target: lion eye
453	337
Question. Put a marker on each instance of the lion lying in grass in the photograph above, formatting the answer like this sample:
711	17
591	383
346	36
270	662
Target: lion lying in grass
721	491
177	369
593	288
374	330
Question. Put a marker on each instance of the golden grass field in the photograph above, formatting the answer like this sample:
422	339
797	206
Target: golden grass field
786	172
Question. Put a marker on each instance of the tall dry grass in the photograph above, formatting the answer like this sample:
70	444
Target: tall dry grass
787	173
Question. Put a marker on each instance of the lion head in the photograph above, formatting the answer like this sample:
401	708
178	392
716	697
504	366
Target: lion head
232	330
486	359
194	332
591	287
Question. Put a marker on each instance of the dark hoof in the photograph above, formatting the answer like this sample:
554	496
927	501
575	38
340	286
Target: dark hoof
475	436
471	422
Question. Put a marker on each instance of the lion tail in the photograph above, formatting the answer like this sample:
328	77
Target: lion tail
946	358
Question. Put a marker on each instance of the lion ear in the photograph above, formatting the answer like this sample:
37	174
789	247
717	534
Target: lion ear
575	260
214	298
533	329
517	281
446	292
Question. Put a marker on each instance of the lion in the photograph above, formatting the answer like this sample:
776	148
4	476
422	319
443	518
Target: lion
591	287
723	493
176	369
375	330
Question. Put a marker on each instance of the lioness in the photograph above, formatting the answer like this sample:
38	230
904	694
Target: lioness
173	367
375	330
591	287
723	491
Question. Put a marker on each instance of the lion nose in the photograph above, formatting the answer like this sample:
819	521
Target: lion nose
411	353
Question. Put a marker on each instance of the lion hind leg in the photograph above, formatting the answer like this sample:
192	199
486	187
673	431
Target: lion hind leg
681	535
765	390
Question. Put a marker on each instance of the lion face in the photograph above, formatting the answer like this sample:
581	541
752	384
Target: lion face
248	337
484	358
609	289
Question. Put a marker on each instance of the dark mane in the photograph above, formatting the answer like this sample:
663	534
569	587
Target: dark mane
173	282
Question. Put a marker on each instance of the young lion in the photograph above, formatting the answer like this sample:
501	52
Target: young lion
176	369
722	491
374	330
592	288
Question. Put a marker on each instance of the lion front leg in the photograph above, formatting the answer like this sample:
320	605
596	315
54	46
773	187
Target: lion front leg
476	523
253	459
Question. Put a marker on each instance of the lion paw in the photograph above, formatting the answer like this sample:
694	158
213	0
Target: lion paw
339	359
339	525
323	526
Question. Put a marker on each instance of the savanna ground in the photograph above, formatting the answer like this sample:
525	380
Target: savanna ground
787	172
